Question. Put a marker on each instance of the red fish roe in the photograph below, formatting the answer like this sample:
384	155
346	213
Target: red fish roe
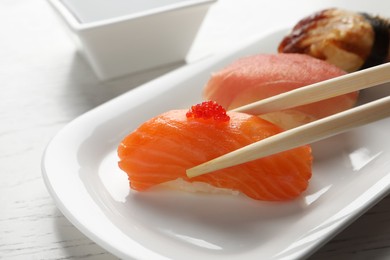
208	110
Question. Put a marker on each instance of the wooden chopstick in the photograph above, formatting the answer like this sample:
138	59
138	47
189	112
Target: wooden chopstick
313	131
322	90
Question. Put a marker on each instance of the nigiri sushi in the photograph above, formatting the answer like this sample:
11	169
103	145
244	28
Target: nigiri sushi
160	150
260	76
347	39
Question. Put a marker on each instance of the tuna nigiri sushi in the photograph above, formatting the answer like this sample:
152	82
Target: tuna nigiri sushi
261	76
160	150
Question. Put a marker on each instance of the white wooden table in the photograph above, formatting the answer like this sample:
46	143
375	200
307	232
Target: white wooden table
45	84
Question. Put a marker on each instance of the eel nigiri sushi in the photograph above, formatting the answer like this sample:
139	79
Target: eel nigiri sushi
261	76
349	40
161	149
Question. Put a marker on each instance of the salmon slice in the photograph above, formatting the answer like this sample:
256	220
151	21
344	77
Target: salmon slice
261	76
161	150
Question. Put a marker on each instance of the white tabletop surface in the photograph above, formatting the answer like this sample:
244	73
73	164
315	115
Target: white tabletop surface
45	84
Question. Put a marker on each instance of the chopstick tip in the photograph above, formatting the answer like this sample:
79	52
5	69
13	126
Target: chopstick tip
193	172
201	169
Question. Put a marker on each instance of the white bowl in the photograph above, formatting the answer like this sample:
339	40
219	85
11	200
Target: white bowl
119	37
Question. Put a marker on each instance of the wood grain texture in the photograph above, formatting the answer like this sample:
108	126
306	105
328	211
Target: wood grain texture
44	85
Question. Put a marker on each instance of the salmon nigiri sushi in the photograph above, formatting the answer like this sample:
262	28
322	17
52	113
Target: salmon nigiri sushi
160	150
261	76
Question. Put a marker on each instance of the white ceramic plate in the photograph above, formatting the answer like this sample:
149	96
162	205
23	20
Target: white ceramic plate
351	173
